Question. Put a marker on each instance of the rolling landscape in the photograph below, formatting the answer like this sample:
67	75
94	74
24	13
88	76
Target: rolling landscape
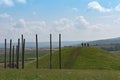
59	39
79	63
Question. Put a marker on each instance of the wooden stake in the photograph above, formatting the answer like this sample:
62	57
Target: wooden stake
17	57
13	58
23	54
60	50
5	53
17	54
22	43
36	51
10	53
50	51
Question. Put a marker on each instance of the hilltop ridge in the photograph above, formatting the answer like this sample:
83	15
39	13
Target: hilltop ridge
80	58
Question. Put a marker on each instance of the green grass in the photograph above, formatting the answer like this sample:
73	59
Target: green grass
81	58
28	55
78	63
42	74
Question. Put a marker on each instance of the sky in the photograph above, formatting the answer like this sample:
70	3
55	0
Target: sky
76	20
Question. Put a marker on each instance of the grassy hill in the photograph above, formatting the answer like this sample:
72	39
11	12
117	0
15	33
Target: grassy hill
81	58
78	63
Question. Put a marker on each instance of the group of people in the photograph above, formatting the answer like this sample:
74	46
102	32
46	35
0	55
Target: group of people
85	44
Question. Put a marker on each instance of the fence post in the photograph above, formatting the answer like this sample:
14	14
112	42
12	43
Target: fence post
50	51
13	58
22	42
10	53
23	49
60	50
36	51
17	54
5	53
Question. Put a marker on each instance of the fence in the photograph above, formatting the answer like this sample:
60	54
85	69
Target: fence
15	50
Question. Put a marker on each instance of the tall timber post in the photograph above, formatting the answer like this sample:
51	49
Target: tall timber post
22	47
17	54
50	51
13	58
5	59
60	51
36	51
10	53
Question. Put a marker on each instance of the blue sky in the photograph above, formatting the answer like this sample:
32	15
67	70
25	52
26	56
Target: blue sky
74	19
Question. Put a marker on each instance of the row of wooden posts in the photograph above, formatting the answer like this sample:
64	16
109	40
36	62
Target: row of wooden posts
15	64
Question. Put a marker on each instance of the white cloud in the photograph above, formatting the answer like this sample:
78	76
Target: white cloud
11	3
75	9
4	15
117	8
7	2
96	6
5	25
78	28
71	29
68	27
20	24
82	20
22	1
63	24
33	26
34	13
79	23
13	30
5	20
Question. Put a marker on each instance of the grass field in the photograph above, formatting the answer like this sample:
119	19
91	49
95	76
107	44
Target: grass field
78	63
59	74
81	58
29	55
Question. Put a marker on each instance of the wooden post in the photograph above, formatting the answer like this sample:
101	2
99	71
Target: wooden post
5	54
10	53
60	51
17	54
50	51
23	49
36	51
17	57
13	58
